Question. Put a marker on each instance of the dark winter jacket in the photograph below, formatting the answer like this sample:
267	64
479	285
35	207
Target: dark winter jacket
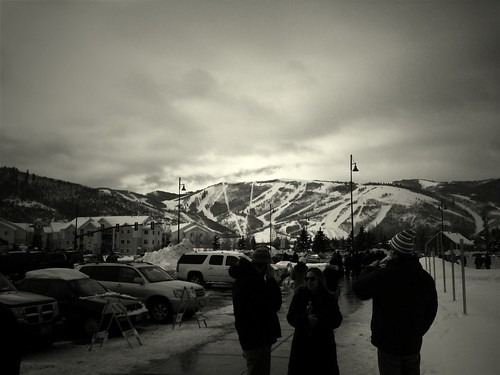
313	348
256	302
331	274
298	274
404	304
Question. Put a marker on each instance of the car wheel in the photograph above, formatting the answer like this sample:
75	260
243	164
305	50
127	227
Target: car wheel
160	311
195	277
90	326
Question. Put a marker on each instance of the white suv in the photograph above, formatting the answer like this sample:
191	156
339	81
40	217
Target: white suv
207	266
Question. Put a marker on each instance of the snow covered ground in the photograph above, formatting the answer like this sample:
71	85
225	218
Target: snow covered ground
456	344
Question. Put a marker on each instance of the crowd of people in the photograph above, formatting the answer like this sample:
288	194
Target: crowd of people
404	307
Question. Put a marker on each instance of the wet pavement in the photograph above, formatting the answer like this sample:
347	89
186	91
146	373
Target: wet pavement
224	356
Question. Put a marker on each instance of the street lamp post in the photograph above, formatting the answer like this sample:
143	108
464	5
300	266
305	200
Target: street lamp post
179	212
270	226
352	169
76	226
441	208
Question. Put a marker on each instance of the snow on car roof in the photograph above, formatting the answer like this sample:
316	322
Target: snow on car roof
56	273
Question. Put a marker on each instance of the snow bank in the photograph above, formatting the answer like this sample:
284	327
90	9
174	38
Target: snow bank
167	257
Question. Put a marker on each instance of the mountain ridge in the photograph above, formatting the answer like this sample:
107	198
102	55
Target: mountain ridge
252	208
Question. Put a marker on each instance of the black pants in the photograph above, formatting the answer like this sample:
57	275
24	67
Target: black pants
389	364
258	360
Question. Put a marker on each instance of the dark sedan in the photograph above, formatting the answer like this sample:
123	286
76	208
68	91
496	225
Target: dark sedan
82	301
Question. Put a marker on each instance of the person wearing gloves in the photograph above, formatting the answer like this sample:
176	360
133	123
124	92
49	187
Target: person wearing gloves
314	313
256	301
404	305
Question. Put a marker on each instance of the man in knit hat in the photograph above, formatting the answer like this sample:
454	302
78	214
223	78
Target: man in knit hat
403	308
256	301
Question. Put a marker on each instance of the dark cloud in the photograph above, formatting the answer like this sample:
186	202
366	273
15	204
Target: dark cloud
136	94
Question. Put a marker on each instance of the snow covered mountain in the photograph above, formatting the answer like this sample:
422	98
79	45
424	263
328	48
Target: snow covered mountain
247	208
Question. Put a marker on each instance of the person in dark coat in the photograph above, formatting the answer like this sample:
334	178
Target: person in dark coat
404	306
487	261
256	301
478	262
314	313
112	257
298	273
337	260
332	276
348	265
356	264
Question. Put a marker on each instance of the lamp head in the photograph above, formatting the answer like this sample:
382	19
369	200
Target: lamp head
183	187
355	169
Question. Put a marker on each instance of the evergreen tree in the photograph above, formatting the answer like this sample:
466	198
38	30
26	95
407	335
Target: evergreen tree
360	240
348	243
303	242
320	242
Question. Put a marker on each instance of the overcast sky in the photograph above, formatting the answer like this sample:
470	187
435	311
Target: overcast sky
135	94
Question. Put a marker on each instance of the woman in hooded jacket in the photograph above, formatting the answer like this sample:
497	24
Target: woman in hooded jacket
315	313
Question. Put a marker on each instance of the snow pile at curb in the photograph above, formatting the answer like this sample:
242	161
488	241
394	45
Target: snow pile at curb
167	257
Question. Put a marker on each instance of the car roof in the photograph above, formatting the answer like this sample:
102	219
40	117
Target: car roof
215	252
110	264
56	273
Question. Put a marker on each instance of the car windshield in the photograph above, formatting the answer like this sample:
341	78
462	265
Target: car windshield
5	284
88	287
155	274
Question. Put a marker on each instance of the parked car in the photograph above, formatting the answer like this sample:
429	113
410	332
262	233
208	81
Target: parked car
314	258
207	266
37	315
159	290
15	264
90	258
82	300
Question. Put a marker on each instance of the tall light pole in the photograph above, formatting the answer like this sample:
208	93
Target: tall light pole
76	226
441	208
179	212
270	225
352	169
